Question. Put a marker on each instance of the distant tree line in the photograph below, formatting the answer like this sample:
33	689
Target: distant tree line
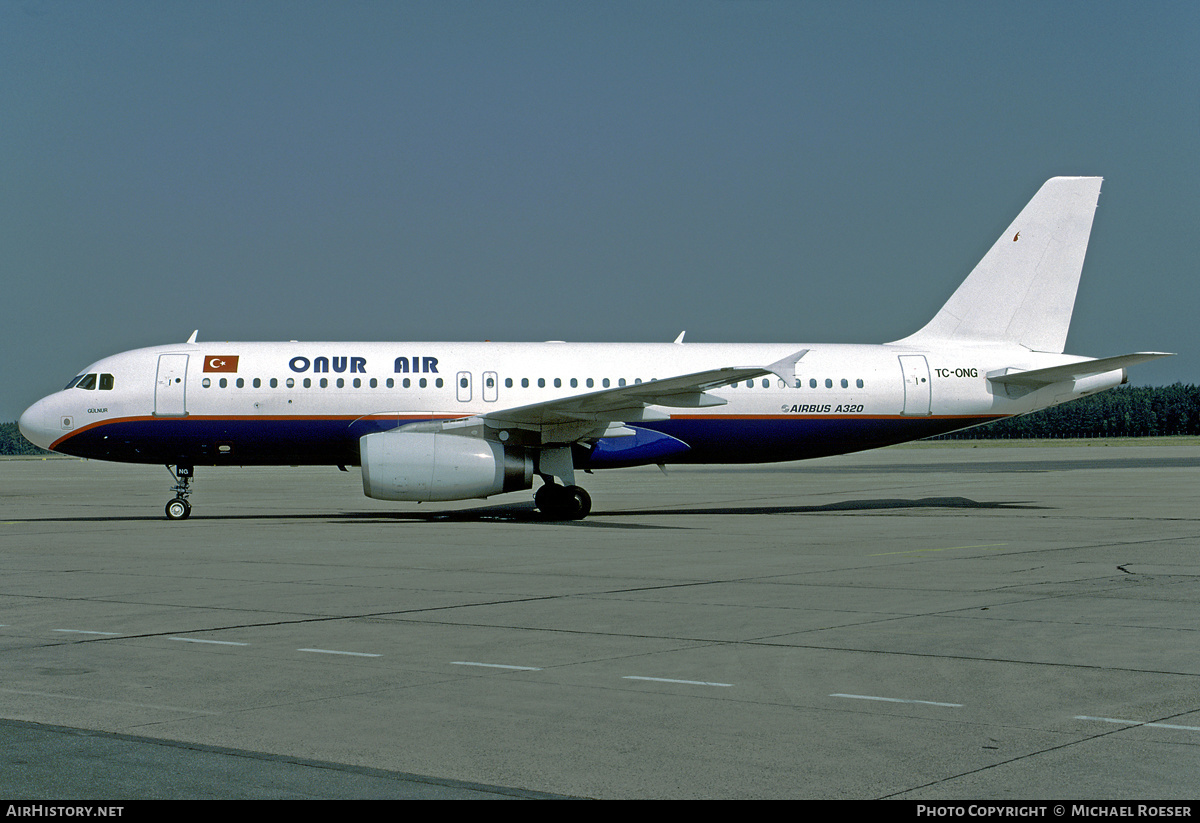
13	442
1127	411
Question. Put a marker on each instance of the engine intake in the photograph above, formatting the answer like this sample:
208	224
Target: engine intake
424	466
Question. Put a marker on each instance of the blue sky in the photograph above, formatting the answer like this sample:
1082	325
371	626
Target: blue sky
747	171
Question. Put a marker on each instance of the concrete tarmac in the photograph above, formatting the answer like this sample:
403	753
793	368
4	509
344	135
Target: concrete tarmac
930	622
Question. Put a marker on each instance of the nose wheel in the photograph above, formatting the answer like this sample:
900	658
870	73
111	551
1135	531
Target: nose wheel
179	508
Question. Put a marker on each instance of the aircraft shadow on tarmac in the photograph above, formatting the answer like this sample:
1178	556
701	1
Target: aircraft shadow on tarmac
597	518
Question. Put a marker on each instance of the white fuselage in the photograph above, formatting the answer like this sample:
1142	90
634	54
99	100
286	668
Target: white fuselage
301	403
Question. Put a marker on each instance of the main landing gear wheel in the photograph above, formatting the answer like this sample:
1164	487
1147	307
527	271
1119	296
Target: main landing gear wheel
563	502
178	509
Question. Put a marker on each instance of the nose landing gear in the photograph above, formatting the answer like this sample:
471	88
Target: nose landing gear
179	508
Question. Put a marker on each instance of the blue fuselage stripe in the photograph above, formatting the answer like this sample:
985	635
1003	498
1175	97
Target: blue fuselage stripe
247	441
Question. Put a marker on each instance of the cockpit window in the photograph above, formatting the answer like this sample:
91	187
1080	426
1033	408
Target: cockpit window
92	381
74	380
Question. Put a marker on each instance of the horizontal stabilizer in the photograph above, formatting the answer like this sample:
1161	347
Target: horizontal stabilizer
1074	371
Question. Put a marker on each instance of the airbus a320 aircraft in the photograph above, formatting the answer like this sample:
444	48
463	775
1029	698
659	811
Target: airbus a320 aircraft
456	421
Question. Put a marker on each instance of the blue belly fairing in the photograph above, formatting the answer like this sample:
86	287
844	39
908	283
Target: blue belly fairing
775	439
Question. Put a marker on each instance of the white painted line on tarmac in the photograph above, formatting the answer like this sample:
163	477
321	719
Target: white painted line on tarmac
897	700
684	682
495	666
335	651
83	631
210	642
1139	723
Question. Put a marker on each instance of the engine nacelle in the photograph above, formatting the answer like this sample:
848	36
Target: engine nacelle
423	466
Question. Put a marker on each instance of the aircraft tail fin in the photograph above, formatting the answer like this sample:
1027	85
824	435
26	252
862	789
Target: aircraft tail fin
1023	290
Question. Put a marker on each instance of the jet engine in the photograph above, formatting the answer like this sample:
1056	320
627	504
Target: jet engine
400	465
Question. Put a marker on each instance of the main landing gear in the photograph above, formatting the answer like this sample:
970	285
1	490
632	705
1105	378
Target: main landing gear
179	508
563	502
560	502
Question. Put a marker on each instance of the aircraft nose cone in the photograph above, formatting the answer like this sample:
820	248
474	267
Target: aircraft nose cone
37	426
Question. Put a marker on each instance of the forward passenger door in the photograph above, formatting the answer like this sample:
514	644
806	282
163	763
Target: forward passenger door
170	387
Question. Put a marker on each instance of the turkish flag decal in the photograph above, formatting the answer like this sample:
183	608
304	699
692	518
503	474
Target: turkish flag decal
227	363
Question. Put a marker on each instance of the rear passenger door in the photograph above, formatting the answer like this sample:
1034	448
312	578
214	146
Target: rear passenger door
917	393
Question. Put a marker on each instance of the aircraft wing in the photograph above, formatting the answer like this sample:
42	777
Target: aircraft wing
628	402
1073	371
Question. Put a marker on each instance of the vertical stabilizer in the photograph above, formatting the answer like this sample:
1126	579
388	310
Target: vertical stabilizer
1023	290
